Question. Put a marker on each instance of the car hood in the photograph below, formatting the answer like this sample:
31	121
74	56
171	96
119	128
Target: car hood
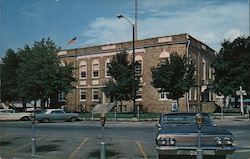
191	128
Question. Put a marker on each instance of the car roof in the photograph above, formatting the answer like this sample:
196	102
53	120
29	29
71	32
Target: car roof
5	109
191	113
48	110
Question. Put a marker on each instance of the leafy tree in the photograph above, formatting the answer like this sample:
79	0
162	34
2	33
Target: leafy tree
174	76
120	86
40	73
9	76
232	66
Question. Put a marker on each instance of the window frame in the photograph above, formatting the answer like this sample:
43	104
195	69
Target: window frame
83	67
80	94
95	68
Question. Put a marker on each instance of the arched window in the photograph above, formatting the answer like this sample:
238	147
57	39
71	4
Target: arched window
164	56
138	64
83	70
107	62
95	69
203	69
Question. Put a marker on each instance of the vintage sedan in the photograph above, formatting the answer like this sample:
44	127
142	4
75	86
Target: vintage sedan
11	115
56	115
177	136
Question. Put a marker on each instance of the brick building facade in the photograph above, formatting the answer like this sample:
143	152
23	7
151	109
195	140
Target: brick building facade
91	73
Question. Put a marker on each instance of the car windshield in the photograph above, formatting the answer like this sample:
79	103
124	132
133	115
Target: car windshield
184	119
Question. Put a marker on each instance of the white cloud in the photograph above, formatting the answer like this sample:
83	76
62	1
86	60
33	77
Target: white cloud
232	34
210	23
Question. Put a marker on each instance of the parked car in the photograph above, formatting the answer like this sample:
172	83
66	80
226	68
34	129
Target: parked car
10	114
55	114
177	135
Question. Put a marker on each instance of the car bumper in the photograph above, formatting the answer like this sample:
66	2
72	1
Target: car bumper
177	150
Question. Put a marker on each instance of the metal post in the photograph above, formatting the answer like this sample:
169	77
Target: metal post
138	113
199	122
102	133
241	100
33	140
102	153
92	114
133	63
199	150
115	113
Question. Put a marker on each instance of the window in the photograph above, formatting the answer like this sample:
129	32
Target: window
107	63
203	69
164	56
95	95
125	108
95	69
139	94
82	95
190	94
195	94
163	95
61	96
210	72
138	65
195	69
83	69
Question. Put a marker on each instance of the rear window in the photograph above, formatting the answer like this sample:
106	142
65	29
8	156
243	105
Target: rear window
183	119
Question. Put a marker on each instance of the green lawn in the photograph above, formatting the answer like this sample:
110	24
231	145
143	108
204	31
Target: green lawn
121	115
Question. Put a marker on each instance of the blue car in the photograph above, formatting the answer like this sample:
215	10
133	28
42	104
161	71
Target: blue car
177	136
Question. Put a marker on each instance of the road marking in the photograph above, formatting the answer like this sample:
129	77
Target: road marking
27	144
141	149
78	148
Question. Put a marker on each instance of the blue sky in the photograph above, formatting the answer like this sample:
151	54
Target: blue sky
94	22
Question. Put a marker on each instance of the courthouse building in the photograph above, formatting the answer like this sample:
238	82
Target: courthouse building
92	73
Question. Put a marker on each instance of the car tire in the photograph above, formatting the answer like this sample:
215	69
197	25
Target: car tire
25	118
46	120
176	157
72	119
215	157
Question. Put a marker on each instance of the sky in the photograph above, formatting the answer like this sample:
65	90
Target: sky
94	22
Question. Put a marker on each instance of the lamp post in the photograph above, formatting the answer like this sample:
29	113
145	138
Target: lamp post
119	16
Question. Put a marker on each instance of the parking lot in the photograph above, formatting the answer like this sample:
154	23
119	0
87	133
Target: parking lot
81	140
76	141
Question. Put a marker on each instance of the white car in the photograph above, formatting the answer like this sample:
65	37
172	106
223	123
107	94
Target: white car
10	114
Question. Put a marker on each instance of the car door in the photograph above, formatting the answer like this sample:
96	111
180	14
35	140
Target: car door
60	115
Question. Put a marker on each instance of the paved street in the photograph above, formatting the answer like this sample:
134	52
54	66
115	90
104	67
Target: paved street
81	140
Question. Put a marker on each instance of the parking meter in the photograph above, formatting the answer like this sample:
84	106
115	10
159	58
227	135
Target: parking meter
103	119
199	120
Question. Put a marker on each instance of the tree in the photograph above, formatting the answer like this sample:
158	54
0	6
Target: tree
40	73
232	66
174	76
119	87
9	76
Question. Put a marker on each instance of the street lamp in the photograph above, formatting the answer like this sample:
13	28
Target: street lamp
119	16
